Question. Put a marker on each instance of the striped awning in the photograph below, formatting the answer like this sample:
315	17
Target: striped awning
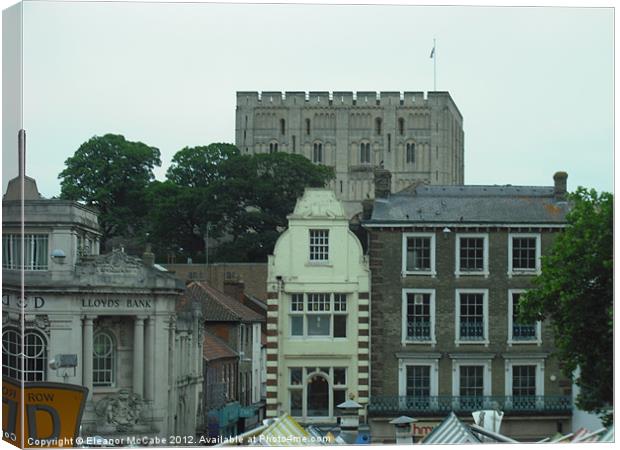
285	431
451	431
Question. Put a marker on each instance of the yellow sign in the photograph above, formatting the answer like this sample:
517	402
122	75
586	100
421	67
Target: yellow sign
51	417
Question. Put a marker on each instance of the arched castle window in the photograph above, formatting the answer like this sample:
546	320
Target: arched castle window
273	147
378	123
410	152
35	355
365	153
317	152
104	358
401	126
282	126
307	126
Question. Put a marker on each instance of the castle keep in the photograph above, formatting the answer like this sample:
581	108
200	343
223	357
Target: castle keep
417	137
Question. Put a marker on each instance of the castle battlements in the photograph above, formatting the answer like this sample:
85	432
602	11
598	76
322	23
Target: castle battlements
341	98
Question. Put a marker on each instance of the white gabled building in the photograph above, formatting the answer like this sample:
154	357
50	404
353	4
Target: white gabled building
318	313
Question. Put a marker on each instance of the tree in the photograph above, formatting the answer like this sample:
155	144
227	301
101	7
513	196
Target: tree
111	174
199	166
256	194
575	291
173	214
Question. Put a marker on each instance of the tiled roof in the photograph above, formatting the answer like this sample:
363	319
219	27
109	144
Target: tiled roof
215	348
219	307
471	204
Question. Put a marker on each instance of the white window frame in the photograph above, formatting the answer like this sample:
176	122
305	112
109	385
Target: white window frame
485	255
538	324
404	339
403	363
536	271
457	316
525	360
303	388
432	272
310	245
487	374
331	312
11	252
112	357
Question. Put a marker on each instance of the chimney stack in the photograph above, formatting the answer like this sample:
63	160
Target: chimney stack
367	206
559	186
383	182
148	257
235	288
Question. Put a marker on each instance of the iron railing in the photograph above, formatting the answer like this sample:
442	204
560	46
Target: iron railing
444	404
524	332
418	331
472	331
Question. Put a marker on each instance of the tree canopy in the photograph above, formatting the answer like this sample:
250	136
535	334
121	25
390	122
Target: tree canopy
242	199
199	166
575	291
257	193
111	173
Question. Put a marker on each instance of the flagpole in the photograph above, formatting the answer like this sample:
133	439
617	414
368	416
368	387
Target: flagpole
434	65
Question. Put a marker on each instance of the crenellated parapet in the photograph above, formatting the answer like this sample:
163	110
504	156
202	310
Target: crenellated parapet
340	98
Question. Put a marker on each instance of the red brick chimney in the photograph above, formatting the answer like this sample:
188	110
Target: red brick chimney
234	289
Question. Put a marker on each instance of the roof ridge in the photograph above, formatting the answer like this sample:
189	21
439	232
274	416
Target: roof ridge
223	303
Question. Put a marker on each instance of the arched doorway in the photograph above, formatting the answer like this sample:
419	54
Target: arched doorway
318	396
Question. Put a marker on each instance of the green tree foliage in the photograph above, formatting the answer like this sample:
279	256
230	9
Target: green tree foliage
199	166
178	218
182	206
575	291
256	194
112	174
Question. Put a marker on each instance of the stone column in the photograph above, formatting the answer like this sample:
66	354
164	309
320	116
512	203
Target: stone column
138	356
87	354
149	359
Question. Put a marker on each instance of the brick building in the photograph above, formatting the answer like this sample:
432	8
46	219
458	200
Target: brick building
448	266
239	327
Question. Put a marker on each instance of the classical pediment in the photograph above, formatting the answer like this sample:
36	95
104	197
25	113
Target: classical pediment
117	262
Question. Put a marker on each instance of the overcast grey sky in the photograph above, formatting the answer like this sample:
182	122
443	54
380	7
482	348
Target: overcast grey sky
534	85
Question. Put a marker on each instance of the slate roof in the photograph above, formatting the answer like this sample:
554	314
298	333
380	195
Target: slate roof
437	204
215	348
219	307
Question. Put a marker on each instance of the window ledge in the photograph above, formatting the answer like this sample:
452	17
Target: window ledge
530	342
425	273
528	273
318	264
484	274
429	342
484	342
105	389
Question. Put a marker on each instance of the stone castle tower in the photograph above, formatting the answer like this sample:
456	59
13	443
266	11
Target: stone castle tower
417	138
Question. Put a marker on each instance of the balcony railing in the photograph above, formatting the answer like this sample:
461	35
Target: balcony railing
443	405
472	331
524	332
418	331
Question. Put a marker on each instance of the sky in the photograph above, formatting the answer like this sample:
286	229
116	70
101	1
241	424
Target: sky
534	84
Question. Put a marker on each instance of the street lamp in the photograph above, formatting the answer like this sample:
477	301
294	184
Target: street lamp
205	236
